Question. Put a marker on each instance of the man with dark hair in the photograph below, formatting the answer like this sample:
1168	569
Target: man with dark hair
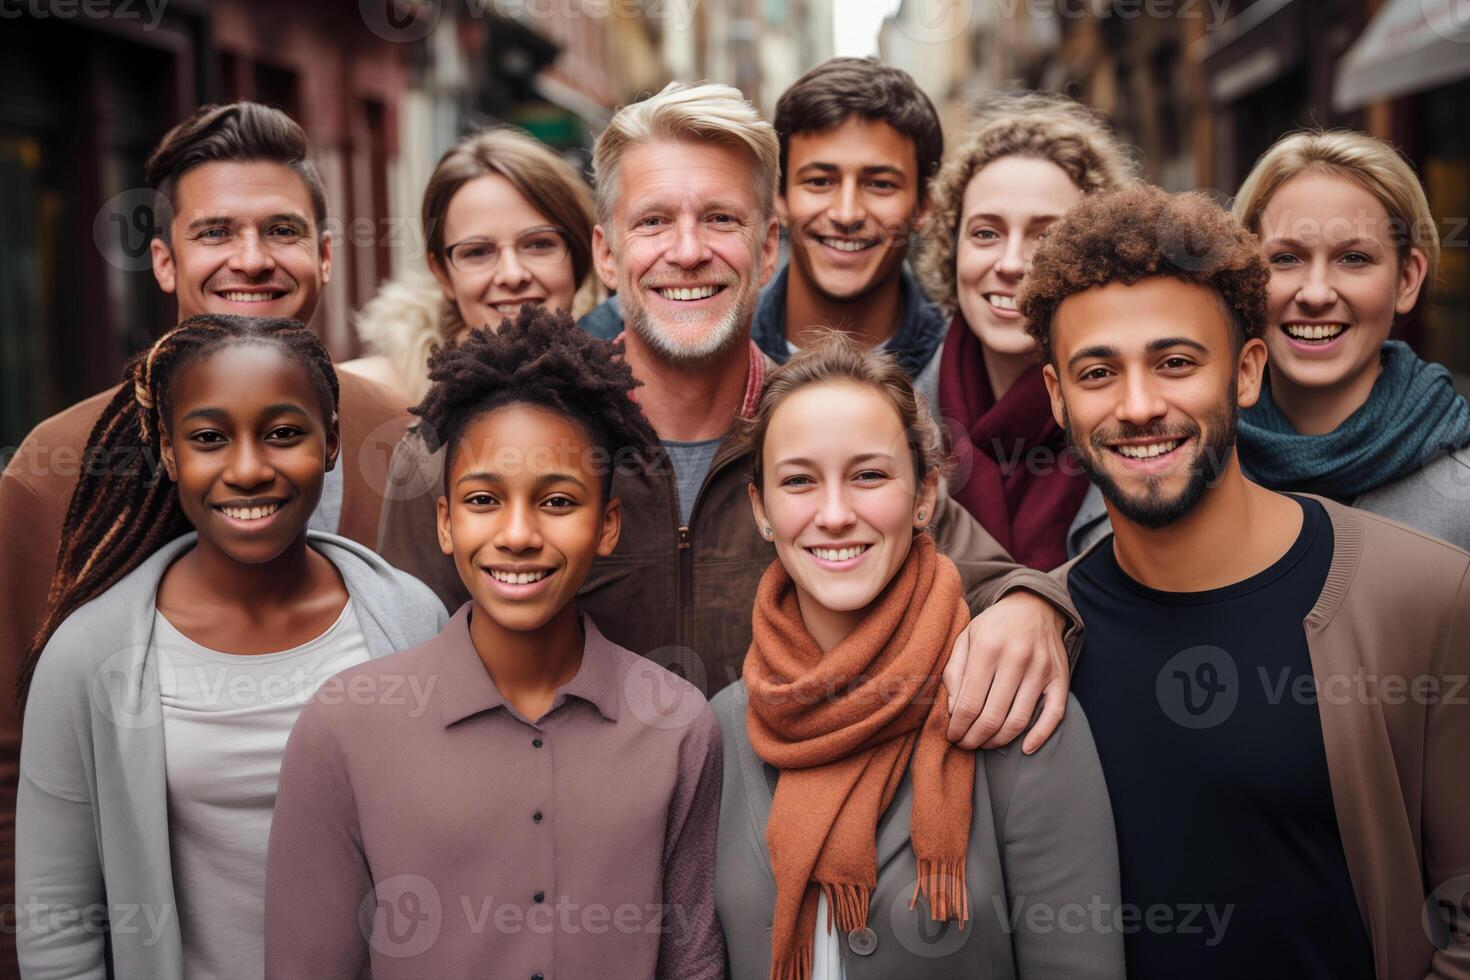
1273	680
859	142
242	212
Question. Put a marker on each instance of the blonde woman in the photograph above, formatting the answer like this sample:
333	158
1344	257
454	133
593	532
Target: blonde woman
1029	159
506	223
1347	412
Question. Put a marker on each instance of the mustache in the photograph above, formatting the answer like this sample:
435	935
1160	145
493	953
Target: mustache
1102	439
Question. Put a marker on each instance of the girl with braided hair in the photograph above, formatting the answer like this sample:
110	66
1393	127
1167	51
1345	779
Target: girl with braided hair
191	615
562	786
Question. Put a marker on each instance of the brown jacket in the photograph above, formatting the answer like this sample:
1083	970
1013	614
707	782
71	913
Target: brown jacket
1389	640
681	596
35	491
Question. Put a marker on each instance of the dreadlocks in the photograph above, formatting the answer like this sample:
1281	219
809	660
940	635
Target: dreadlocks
125	507
542	359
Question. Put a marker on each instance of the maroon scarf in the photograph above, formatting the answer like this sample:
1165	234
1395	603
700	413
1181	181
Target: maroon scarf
1012	469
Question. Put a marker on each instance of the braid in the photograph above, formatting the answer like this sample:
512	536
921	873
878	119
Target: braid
544	359
125	507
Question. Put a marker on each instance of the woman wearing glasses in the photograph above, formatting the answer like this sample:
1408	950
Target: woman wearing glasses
506	222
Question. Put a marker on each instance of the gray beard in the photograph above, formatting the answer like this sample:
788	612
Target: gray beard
725	334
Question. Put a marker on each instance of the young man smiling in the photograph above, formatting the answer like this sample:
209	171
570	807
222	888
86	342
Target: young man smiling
858	144
244	235
1273	681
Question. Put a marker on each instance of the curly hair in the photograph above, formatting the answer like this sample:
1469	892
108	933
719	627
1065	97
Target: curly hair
542	359
1139	232
1028	124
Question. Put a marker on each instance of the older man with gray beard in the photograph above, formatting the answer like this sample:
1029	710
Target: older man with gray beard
687	234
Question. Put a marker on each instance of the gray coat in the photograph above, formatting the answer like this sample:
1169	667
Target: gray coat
92	866
1434	499
1042	869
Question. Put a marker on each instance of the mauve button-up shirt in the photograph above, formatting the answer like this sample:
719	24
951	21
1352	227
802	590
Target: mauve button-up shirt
424	829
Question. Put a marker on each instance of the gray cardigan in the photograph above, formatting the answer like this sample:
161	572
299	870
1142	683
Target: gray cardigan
1042	869
1434	499
92	868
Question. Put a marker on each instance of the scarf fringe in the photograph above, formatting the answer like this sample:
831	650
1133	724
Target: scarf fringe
943	885
798	966
847	903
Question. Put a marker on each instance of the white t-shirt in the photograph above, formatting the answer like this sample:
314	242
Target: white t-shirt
226	718
827	950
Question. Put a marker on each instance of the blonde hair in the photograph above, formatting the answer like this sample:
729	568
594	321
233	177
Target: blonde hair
836	357
1375	165
705	113
1030	124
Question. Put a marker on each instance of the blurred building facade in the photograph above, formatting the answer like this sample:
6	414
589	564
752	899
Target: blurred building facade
1203	87
759	46
382	88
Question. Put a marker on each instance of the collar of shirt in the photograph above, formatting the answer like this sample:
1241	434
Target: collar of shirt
465	688
755	377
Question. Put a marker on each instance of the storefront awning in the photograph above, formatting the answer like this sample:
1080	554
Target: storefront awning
1410	46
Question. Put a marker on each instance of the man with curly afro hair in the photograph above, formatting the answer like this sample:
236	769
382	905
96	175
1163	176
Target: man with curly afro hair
536	765
1273	819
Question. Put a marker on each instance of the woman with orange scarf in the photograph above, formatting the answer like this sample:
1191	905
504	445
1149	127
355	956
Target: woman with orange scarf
855	840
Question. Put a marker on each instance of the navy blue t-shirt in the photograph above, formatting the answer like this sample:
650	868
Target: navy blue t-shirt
1204	711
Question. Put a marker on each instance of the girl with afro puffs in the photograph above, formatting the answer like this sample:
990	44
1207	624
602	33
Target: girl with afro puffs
518	796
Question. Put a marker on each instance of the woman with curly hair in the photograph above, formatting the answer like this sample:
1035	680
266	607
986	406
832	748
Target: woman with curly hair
1030	158
507	223
548	800
1347	412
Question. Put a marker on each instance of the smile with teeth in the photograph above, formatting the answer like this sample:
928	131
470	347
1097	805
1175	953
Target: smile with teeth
848	244
1313	331
1150	450
519	578
1001	302
838	554
251	513
240	296
688	293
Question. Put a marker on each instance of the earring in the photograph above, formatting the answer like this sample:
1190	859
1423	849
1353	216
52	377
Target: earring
920	515
767	530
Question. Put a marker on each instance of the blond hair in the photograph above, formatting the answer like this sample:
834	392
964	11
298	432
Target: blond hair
1031	124
1375	165
705	113
835	357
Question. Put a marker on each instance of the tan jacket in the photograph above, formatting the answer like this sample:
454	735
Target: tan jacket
36	489
1389	640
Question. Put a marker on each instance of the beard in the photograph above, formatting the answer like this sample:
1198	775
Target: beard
670	336
1153	509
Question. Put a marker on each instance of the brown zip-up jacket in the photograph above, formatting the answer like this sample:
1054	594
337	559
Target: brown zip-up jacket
1389	639
682	595
36	489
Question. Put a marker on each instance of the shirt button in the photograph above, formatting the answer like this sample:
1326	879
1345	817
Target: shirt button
540	896
536	743
862	941
536	816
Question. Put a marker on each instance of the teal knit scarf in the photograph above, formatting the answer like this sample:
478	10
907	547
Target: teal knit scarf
1412	416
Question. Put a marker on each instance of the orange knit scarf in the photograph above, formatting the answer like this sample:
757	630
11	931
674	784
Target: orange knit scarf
842	727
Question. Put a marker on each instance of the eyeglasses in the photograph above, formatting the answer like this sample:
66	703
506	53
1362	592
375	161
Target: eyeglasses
540	247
